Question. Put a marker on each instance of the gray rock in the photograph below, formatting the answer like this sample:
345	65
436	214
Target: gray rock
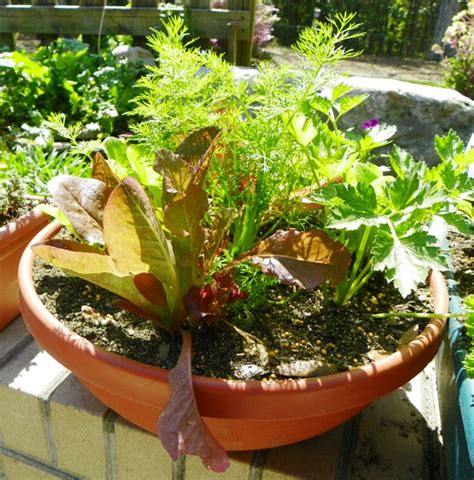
418	111
134	55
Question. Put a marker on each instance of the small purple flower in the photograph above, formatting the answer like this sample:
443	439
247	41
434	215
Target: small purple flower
373	122
215	42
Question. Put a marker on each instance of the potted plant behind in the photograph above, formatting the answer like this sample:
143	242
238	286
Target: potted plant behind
176	256
19	223
24	175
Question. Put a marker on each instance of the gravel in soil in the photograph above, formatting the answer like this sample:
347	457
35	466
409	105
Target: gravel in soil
297	334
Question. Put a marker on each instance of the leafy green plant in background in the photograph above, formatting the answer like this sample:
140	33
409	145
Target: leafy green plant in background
459	61
65	77
12	199
36	166
395	27
469	360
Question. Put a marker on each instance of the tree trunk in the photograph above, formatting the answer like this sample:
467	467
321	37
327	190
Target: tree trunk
447	10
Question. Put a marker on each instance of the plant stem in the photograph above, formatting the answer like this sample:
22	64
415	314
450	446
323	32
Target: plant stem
419	315
360	253
357	279
359	282
311	163
272	229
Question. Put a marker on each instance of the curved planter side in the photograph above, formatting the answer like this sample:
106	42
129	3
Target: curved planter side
14	237
456	398
242	415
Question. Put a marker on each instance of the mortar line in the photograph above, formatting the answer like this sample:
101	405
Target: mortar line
349	444
39	465
2	471
16	350
109	419
45	410
257	465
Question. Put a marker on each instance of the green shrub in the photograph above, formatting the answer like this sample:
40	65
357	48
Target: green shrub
65	77
395	27
459	39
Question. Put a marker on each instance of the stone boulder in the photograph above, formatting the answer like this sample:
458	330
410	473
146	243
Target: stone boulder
134	55
418	111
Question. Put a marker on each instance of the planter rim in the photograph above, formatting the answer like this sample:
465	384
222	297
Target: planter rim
13	229
465	385
432	331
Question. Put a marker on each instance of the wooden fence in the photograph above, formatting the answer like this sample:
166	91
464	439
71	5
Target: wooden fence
234	24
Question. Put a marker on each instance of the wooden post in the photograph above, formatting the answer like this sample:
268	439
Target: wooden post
232	43
45	37
7	39
197	3
92	40
152	4
244	47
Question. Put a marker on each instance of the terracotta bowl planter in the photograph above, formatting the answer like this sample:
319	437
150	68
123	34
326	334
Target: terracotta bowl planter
14	237
242	415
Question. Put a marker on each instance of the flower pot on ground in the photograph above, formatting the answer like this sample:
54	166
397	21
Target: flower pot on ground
242	415
14	237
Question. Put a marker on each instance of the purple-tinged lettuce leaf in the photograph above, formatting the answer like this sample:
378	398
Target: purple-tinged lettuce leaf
207	302
102	171
82	201
216	235
94	266
186	165
195	146
180	426
184	210
135	239
176	172
304	259
151	288
183	216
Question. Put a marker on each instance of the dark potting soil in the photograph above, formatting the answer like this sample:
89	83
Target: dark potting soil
462	254
296	334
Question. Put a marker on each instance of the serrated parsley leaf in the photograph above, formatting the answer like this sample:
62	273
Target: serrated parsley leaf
449	146
356	206
406	260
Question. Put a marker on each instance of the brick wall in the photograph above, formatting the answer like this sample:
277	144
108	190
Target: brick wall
51	427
